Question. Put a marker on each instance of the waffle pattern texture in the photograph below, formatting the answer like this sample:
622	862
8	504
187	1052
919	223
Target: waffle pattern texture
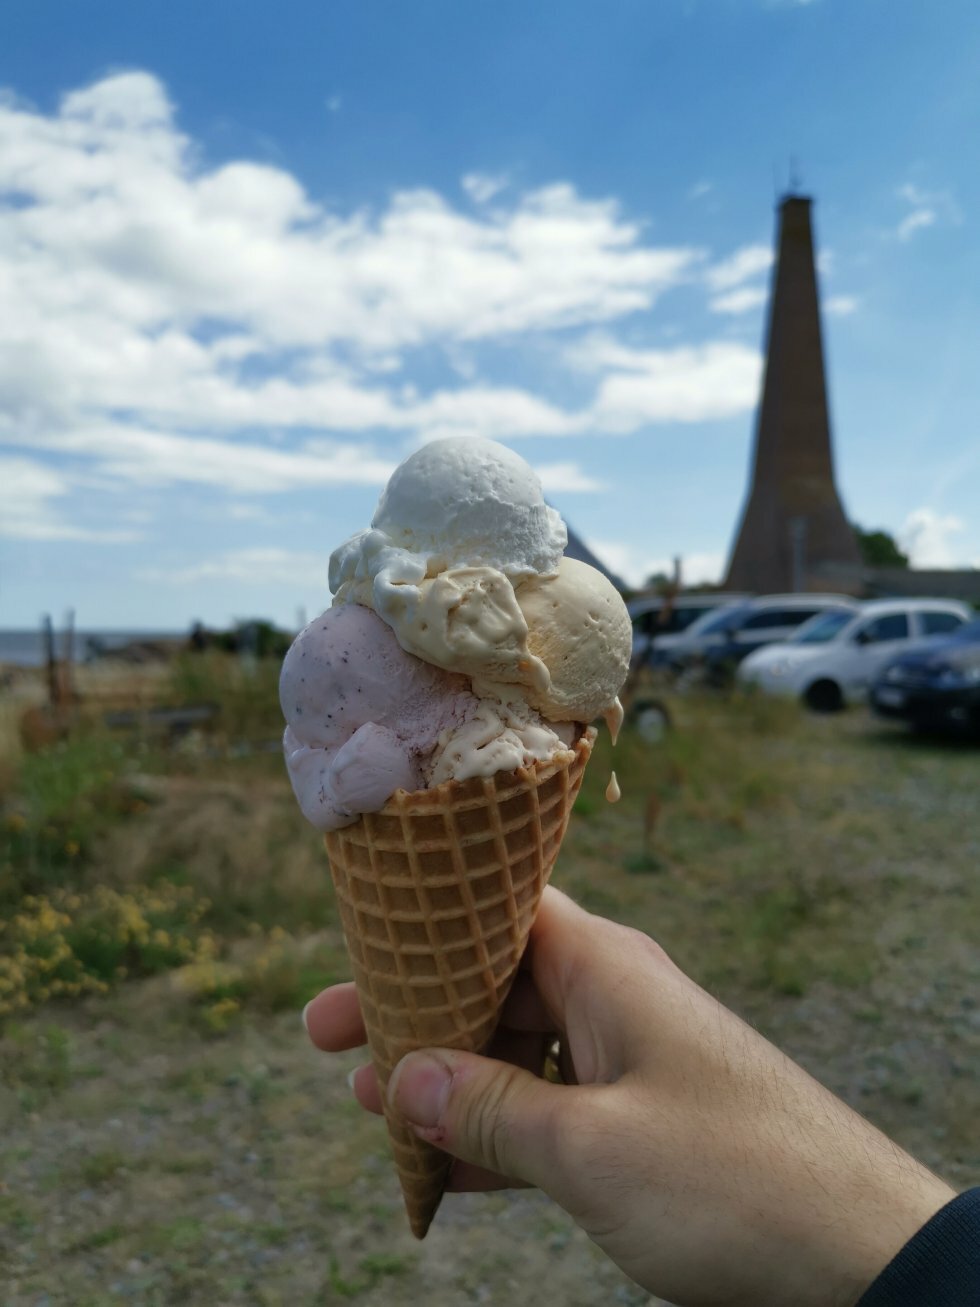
437	893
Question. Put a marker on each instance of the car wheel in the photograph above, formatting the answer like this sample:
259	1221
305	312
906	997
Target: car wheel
824	696
651	720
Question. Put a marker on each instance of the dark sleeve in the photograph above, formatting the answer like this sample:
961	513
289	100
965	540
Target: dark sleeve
939	1266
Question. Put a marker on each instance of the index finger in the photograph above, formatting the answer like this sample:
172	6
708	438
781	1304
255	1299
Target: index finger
333	1019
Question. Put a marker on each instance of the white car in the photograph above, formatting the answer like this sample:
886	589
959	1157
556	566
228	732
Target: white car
833	658
723	638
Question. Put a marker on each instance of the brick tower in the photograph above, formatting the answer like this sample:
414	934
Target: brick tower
794	534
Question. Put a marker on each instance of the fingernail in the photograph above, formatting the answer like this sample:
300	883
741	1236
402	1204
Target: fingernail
306	1024
350	1078
419	1089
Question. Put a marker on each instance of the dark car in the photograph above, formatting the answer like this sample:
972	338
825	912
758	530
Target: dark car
655	616
936	687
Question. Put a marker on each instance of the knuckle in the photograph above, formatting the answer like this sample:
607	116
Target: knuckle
645	946
488	1120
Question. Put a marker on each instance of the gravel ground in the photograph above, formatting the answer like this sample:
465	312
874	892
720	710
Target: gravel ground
144	1163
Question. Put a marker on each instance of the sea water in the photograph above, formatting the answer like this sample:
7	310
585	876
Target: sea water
26	648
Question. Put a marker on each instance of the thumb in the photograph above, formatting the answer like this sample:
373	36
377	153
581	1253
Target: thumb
489	1113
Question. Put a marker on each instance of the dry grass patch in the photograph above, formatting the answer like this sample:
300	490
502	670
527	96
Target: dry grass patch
177	1139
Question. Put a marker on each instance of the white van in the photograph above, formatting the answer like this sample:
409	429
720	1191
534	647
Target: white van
833	658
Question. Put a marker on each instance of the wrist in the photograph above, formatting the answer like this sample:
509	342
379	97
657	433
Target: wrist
895	1218
873	1221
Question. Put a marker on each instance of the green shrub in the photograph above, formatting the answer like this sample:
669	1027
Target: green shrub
64	798
66	944
281	973
245	690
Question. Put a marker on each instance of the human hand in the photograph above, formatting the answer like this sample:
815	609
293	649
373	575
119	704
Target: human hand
704	1162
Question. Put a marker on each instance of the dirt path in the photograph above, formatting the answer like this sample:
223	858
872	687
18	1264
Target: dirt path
216	1173
143	1162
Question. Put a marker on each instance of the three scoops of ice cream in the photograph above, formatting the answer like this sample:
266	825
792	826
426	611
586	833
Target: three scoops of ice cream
461	642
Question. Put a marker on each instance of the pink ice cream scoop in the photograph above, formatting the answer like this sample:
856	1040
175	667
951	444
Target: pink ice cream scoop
362	715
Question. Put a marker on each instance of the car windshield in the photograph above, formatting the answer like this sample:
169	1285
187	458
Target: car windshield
823	627
716	620
969	632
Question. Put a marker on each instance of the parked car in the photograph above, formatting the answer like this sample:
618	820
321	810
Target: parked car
663	649
935	687
721	642
834	658
655	619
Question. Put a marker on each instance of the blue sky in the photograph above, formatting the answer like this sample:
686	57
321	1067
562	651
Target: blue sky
255	255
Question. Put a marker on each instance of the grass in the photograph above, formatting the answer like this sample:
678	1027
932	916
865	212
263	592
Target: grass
36	1063
370	1270
102	1167
119	860
62	800
246	690
776	829
112	872
165	913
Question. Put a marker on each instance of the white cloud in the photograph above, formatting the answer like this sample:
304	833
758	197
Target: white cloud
927	209
727	280
493	412
635	566
481	187
247	567
700	189
146	457
155	306
913	194
841	305
33	503
118	103
738	301
619	558
118	214
915	221
566	478
926	536
744	264
169	323
685	384
239	512
334	103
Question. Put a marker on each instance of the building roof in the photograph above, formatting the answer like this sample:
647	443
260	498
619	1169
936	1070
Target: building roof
938	583
579	550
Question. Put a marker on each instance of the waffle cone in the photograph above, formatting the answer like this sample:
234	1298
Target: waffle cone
437	893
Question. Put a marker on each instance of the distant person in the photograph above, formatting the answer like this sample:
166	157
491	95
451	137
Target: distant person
198	640
705	1162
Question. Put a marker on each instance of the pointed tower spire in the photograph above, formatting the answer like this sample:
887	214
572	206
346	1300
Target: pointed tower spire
794	534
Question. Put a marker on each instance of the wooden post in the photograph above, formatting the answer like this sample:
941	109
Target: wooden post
50	661
67	686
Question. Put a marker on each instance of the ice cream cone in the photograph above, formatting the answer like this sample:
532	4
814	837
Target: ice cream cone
437	893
